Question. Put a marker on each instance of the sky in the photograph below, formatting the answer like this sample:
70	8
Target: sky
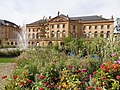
28	11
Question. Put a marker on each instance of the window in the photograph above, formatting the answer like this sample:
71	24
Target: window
102	34
37	36
84	28
33	30
52	26
108	26
95	34
29	36
102	26
63	33
29	30
108	34
58	34
74	35
73	26
89	27
90	34
63	25
52	34
84	34
95	27
33	36
58	26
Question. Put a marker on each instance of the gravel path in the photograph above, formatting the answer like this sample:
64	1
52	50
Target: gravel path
5	70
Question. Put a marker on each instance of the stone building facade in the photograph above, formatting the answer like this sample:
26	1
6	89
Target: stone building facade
47	31
8	33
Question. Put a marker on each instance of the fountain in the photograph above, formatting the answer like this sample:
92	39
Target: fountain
23	38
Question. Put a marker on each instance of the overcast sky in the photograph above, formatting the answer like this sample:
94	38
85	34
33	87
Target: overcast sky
27	11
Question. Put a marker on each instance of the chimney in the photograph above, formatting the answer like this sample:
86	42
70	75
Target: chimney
112	17
100	15
58	13
49	17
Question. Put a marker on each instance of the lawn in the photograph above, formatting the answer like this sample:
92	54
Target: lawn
7	60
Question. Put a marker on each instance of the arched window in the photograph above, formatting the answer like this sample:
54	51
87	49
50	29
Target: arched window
58	34
108	34
95	34
90	34
63	33
52	34
74	34
102	34
29	35
84	34
33	36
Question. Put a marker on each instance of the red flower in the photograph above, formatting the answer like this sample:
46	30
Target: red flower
82	82
42	77
41	89
29	81
95	72
46	83
22	83
15	77
118	77
3	77
70	66
79	71
103	77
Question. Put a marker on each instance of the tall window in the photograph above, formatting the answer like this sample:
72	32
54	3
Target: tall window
37	36
89	27
102	26
102	34
63	25
58	26
74	35
95	34
108	26
52	26
29	35
84	28
74	27
84	34
33	36
95	27
90	34
58	34
108	34
52	34
63	33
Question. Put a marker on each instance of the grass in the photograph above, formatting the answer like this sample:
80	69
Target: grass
7	60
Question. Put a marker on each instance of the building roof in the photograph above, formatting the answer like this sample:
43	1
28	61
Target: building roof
8	23
83	18
88	18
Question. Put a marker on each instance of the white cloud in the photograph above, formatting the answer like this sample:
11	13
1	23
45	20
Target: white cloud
19	11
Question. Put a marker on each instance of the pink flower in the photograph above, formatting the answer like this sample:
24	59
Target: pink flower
115	62
118	77
91	76
113	55
118	61
84	70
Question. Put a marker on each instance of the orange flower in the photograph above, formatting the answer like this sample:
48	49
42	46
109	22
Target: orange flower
115	66
89	88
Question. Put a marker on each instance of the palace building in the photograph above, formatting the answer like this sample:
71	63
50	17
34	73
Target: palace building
47	31
8	33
